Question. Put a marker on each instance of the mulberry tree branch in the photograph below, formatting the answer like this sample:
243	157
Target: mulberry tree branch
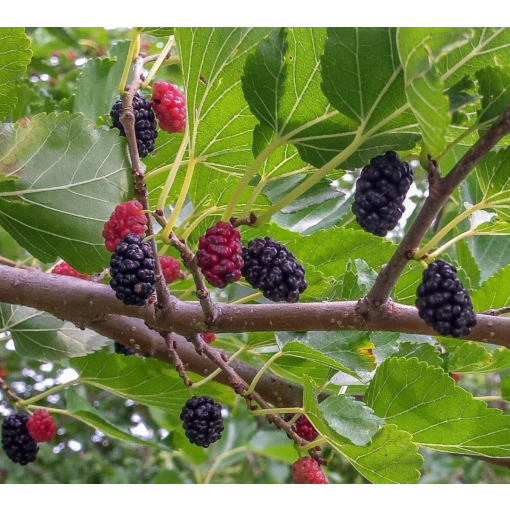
439	193
82	301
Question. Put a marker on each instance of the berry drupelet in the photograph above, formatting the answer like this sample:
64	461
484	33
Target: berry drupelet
271	268
443	302
202	421
145	123
380	193
132	271
220	254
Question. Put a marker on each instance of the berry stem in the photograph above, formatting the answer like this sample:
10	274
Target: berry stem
181	199
262	371
214	374
317	442
204	214
248	176
247	299
447	228
159	61
173	171
278	410
47	393
135	42
191	264
220	458
451	242
491	398
312	180
10	394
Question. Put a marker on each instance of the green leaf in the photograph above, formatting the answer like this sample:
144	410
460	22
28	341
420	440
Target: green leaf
83	411
473	357
494	86
299	350
488	46
505	388
426	402
419	50
147	381
265	73
281	85
272	444
157	31
97	88
64	178
391	457
467	262
423	352
493	293
349	348
15	56
362	75
220	123
42	336
350	418
493	177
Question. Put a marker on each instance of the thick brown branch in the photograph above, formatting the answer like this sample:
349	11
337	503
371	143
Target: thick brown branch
135	334
439	194
82	301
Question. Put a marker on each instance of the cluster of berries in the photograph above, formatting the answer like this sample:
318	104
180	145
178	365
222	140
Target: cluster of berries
21	433
442	301
168	106
266	264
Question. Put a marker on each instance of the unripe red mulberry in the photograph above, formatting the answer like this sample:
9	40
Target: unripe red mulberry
307	471
41	426
169	104
208	338
127	218
63	268
170	267
220	254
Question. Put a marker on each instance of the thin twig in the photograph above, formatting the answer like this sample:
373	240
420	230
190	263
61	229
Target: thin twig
99	277
10	394
250	220
127	119
191	263
495	312
176	360
12	263
439	194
